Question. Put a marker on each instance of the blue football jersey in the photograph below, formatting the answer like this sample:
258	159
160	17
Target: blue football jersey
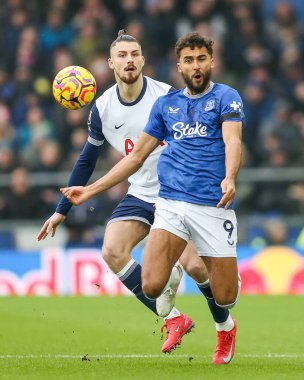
192	166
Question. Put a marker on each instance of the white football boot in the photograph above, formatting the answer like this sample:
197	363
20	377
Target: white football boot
166	301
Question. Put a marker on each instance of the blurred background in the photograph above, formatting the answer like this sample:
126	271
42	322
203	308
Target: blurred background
259	50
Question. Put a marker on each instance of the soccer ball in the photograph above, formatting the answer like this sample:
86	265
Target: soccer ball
74	87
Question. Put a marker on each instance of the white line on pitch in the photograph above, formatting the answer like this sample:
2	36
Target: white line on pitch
142	356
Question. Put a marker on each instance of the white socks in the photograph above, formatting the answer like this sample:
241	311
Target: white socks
225	326
125	268
173	313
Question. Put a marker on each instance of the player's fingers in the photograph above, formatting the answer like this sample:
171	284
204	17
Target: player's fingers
49	227
221	202
226	198
42	231
228	204
70	197
64	191
40	235
53	231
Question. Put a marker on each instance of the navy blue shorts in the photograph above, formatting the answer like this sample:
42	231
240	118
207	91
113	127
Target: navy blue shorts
132	208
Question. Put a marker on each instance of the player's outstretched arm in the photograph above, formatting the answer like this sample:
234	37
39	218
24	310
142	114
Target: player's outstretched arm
50	226
80	175
121	171
232	136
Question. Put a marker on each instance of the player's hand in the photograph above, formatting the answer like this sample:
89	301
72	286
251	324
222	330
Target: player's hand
228	190
50	226
76	194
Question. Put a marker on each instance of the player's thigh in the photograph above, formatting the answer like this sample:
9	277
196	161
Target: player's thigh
213	230
162	251
123	236
193	264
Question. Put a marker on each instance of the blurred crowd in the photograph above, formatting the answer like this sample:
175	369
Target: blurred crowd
259	50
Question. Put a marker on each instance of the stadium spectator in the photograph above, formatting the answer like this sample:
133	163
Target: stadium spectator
21	200
55	33
33	134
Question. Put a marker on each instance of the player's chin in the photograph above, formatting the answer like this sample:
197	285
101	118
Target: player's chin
198	83
199	86
130	77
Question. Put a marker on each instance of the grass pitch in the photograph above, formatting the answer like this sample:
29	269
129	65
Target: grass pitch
116	338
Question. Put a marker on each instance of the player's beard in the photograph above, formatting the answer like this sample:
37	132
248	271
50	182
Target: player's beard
200	88
129	79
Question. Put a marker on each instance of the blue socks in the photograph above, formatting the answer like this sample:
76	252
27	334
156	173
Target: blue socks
130	276
219	314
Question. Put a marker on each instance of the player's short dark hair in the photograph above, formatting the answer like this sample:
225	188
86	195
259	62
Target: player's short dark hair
193	40
123	36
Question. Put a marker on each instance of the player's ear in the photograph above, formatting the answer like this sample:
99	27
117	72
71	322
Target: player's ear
178	67
143	60
212	63
110	63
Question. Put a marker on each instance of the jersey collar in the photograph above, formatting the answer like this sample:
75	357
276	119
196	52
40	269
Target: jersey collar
141	95
199	95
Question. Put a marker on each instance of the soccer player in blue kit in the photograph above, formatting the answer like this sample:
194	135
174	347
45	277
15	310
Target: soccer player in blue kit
118	116
202	126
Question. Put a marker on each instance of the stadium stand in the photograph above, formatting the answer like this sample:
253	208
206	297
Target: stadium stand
258	49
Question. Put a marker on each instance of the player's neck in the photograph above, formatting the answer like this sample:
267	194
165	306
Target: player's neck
130	92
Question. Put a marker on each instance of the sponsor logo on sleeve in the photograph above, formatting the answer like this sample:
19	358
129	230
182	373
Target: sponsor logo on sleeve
237	106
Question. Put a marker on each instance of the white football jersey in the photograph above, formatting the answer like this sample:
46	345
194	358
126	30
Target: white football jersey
120	123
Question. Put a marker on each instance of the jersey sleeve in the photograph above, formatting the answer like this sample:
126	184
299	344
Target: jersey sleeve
231	107
81	173
156	126
96	136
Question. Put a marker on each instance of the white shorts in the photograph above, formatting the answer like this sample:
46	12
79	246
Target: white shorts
213	230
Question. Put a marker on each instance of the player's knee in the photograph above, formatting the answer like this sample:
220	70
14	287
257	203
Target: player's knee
226	299
113	257
151	288
231	303
151	291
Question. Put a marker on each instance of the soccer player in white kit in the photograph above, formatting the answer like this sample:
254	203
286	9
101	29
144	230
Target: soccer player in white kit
119	116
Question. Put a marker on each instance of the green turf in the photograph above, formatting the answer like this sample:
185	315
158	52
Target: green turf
35	333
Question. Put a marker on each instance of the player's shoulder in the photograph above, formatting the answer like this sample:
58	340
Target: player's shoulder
161	87
103	102
106	96
222	89
170	96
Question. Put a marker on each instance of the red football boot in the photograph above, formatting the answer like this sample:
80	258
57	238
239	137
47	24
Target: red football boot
225	347
176	328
